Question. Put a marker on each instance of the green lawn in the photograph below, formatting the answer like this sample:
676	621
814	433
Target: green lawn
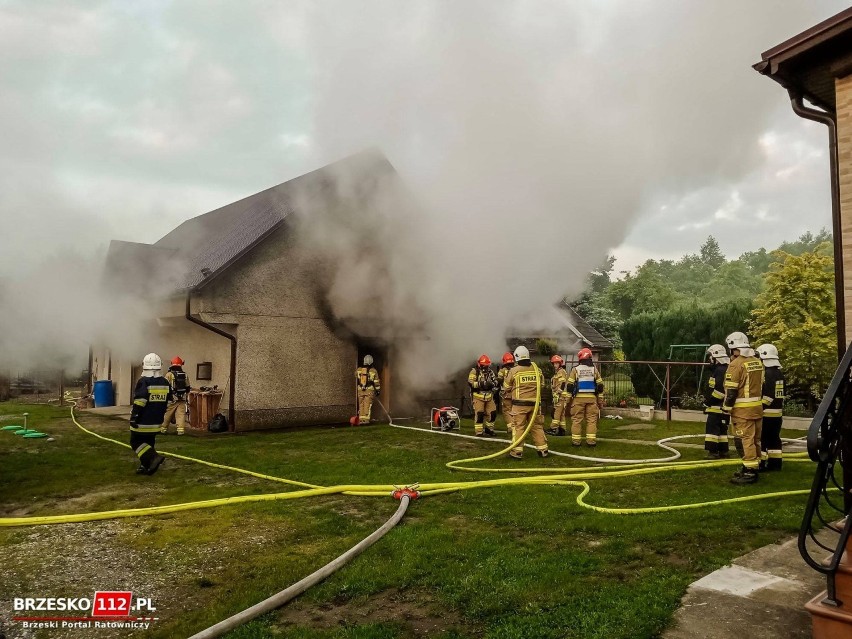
511	562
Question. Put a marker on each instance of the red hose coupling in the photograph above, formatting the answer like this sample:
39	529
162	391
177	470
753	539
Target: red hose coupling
412	493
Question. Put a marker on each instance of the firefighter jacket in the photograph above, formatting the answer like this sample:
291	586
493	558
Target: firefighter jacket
521	383
715	393
501	377
744	388
773	392
367	377
150	400
179	389
558	384
483	382
584	383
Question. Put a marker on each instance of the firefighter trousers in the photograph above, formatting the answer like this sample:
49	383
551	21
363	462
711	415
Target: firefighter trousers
483	410
716	434
747	440
520	417
560	410
770	443
143	445
365	404
176	409
506	409
589	411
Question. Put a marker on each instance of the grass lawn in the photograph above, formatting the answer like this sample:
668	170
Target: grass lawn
511	562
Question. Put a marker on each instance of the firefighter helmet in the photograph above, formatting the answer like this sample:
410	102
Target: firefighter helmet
368	360
177	361
152	362
522	352
718	352
584	353
737	340
508	358
557	359
484	360
768	354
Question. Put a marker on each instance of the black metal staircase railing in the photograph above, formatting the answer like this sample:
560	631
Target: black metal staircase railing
829	445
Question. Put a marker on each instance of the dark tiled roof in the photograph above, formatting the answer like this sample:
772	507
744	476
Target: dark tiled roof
207	245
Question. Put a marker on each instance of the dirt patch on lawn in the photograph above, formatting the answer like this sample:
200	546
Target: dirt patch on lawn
636	427
418	613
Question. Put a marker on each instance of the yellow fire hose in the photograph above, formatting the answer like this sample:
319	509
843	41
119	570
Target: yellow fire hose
556	476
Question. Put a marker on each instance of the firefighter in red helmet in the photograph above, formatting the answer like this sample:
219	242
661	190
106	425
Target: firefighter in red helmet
483	385
178	408
560	396
505	400
586	388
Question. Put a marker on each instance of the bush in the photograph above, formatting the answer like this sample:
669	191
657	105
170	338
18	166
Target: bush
622	399
796	409
692	402
546	347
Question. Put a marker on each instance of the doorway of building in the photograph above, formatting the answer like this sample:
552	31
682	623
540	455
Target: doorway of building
381	364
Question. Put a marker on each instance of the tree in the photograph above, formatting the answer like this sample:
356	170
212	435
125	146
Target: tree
711	254
796	313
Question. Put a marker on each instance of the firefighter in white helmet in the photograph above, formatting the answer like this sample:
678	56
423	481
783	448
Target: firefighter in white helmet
561	397
368	387
483	385
151	397
771	456
744	401
520	385
586	388
716	427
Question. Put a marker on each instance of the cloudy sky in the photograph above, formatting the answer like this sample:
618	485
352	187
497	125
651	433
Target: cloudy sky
122	119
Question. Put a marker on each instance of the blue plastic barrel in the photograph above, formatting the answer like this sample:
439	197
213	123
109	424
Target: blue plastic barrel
103	393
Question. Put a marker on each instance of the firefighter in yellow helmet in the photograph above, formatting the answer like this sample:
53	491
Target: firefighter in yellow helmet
585	386
520	386
716	426
744	401
505	401
771	456
483	385
561	397
368	388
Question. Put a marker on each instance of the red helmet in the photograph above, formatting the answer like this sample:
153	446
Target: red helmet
177	361
557	359
508	358
584	353
484	360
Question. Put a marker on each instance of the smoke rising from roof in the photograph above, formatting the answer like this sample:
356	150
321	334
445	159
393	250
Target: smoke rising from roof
532	135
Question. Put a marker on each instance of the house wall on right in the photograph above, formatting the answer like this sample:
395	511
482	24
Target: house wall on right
843	91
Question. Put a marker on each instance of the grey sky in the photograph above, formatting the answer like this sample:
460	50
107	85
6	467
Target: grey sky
551	127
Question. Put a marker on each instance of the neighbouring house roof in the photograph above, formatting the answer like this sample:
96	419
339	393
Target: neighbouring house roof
585	331
809	62
207	245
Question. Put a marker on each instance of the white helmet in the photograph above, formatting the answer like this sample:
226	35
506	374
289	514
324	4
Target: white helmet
768	354
737	340
368	360
522	352
152	362
718	352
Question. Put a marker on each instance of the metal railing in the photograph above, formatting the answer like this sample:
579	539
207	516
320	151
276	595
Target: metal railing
830	446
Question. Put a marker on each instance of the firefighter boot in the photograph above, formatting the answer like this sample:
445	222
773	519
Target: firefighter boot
156	462
744	476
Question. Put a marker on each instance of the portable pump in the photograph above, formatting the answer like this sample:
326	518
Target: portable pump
445	418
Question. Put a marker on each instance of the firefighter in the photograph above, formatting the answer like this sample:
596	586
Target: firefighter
771	456
585	387
369	386
151	397
483	385
505	400
179	383
744	401
520	385
716	427
561	396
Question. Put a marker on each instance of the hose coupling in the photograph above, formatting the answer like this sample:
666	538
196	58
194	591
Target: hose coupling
411	492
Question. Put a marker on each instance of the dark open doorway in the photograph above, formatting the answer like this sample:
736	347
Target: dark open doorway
382	364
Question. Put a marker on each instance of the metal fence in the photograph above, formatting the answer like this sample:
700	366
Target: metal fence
40	386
